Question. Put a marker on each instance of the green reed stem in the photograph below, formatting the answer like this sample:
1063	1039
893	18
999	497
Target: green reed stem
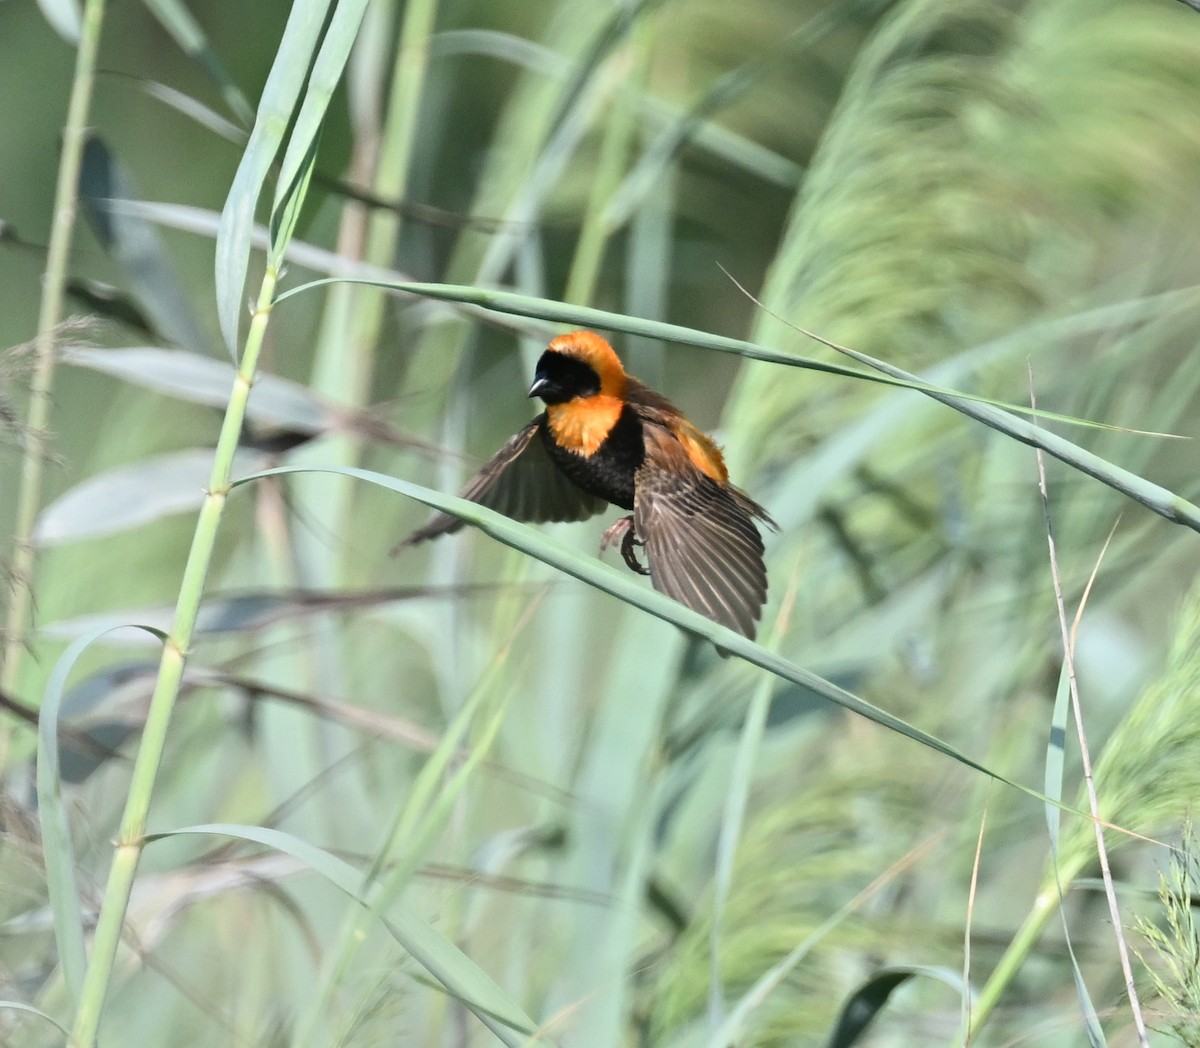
29	495
1044	907
130	840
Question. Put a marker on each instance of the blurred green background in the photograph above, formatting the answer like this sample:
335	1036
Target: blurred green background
991	195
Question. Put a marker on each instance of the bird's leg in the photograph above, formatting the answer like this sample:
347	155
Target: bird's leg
623	528
615	531
627	543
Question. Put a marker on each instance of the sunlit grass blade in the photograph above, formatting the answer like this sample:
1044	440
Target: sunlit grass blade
445	962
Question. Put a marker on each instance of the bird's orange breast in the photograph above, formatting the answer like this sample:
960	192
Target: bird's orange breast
583	425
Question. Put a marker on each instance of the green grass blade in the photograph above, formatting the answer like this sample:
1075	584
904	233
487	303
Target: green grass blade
177	20
18	1006
327	70
201	379
133	495
461	976
136	247
621	585
22	568
585	316
279	98
57	850
1154	497
733	817
65	18
196	110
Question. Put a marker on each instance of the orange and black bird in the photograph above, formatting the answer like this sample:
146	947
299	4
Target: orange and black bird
607	438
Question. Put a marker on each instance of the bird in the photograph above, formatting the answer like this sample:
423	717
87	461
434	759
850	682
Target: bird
607	438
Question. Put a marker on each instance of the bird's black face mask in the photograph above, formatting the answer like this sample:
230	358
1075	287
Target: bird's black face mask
560	378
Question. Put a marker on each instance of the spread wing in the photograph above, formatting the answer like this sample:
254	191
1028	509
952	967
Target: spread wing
521	481
700	537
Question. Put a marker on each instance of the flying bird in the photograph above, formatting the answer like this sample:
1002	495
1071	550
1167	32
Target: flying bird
607	438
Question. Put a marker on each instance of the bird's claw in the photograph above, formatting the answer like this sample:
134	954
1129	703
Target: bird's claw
629	539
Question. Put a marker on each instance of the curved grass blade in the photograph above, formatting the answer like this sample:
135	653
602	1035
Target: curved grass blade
563	313
462	977
20	1006
57	850
196	110
621	585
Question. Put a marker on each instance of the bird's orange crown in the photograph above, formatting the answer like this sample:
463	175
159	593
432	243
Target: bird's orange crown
592	350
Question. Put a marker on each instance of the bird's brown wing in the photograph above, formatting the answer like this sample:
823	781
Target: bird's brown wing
701	541
521	481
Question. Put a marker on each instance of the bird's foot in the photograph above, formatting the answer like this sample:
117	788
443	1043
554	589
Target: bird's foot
623	529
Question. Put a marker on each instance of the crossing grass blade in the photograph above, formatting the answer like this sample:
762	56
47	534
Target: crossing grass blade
619	584
1160	500
458	974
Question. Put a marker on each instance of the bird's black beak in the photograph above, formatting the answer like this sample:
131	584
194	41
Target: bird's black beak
540	384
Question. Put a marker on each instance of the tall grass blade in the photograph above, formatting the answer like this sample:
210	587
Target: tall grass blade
327	70
280	96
